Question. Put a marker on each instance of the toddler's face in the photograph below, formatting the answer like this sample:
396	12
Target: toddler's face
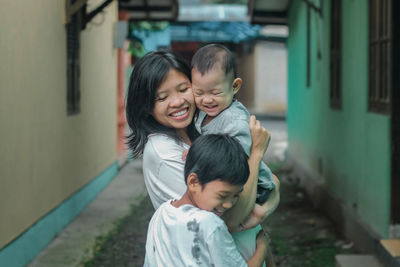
213	92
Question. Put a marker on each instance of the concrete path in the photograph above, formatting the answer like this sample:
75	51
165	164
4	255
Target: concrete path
75	244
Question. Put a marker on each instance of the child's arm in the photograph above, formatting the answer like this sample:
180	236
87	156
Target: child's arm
261	212
259	256
245	204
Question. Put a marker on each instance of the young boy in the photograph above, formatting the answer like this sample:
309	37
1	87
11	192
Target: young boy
189	231
214	84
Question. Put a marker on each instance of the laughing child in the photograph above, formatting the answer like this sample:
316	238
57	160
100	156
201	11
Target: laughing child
214	84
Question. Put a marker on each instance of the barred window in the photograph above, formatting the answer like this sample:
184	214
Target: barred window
336	55
380	56
73	71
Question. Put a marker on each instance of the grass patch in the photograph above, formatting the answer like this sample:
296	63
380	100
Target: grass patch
101	241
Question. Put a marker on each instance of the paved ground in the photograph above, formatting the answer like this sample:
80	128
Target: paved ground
80	240
300	236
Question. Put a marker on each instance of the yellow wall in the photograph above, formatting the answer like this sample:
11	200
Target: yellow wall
45	155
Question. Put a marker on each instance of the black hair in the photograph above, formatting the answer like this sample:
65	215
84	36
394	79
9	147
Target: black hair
217	157
206	57
149	73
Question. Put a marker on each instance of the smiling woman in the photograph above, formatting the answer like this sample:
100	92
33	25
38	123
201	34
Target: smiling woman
160	100
160	109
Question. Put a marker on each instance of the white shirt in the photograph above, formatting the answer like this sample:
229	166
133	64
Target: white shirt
163	171
188	236
163	168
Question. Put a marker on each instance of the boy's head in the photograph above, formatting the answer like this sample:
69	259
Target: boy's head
214	78
216	169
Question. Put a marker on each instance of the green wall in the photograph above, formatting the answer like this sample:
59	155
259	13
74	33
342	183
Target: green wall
348	149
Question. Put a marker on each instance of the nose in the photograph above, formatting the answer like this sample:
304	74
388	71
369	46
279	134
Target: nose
176	101
227	204
207	99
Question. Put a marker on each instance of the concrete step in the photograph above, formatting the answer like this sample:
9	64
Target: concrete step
392	246
388	251
356	260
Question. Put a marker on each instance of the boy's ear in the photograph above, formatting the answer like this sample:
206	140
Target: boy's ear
192	181
237	84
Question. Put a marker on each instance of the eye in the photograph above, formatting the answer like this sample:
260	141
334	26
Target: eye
161	99
198	93
222	197
184	89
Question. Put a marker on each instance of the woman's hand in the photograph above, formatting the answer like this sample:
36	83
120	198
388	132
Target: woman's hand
260	138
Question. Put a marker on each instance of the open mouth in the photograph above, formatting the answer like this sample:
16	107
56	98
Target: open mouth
181	114
210	108
219	212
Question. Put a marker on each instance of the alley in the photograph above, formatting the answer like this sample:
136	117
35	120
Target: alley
321	75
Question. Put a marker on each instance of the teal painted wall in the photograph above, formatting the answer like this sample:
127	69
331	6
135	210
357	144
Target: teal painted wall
348	149
30	243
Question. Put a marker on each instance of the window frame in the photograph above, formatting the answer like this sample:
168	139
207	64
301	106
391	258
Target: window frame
73	29
335	91
380	48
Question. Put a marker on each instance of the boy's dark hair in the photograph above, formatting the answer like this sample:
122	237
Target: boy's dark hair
217	157
149	73
206	57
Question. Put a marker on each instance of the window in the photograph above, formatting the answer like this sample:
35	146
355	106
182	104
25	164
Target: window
380	55
336	55
73	71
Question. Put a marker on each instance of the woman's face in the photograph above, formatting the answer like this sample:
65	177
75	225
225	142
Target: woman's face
174	103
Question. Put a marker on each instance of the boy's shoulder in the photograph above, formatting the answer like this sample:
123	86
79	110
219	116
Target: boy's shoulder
190	217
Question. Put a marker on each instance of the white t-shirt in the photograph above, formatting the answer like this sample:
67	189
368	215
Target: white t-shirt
188	236
163	168
163	171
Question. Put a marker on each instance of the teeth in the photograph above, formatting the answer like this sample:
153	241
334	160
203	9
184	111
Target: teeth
180	113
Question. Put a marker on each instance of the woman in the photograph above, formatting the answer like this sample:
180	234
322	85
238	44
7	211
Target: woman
160	109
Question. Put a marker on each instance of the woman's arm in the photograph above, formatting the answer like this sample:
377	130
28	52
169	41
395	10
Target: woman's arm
245	204
261	212
273	201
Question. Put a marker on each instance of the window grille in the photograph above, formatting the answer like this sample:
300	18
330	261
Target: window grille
380	56
336	55
73	66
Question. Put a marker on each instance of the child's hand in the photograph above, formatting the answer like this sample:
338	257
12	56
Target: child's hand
184	154
260	137
254	219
